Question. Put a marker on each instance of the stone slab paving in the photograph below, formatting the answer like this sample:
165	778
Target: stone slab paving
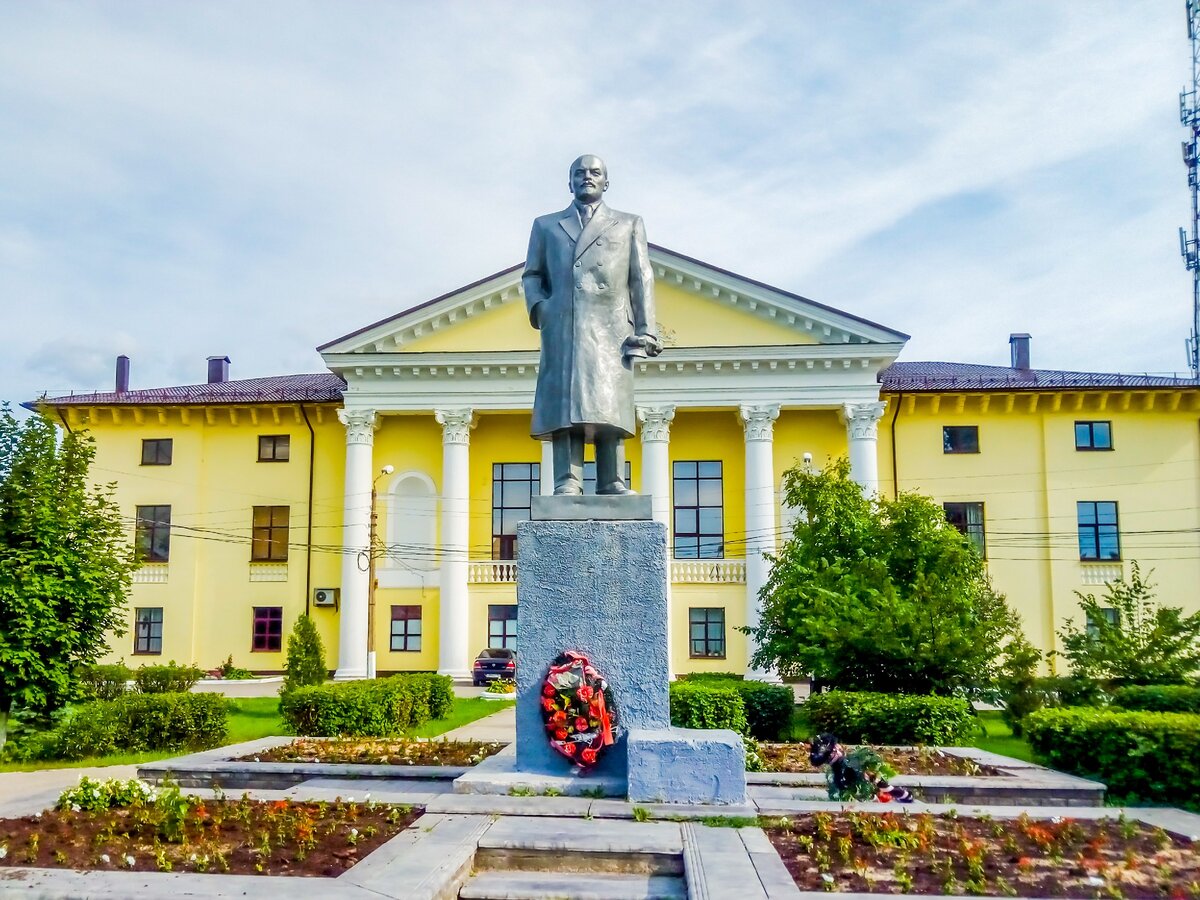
583	836
718	863
26	793
499	726
498	774
590	886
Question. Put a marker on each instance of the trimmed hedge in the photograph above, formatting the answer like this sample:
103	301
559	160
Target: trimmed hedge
869	718
104	682
134	723
769	707
382	707
1177	698
713	704
1140	756
168	679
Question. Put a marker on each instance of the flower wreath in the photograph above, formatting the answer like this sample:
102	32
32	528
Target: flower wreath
579	718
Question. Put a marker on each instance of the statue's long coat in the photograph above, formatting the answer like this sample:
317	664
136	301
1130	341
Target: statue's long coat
587	292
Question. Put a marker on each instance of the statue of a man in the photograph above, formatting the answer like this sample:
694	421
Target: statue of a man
589	289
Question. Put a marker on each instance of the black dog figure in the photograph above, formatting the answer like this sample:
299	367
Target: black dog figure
860	774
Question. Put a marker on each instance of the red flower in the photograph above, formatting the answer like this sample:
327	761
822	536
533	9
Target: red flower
588	755
548	690
581	724
561	734
547	704
584	693
569	749
559	718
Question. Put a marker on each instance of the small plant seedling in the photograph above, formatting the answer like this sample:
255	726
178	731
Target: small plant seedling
521	790
641	814
552	792
596	793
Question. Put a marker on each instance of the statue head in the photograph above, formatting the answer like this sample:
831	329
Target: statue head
589	178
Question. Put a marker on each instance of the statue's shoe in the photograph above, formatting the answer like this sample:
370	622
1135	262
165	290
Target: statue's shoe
570	489
617	487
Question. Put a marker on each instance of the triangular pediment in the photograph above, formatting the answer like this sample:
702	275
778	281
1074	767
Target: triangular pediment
698	305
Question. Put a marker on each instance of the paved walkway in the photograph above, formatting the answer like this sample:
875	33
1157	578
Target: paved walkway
499	726
23	793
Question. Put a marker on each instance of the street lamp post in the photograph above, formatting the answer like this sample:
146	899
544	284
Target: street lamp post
372	544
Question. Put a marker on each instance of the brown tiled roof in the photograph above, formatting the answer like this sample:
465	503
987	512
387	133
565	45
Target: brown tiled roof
947	376
318	387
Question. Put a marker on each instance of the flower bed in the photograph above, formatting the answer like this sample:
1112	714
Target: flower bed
166	831
381	752
906	761
922	853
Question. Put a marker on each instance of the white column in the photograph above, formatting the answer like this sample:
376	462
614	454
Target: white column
862	429
356	527
547	470
454	652
655	433
759	424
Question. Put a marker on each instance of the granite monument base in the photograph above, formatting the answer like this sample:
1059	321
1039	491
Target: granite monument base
599	586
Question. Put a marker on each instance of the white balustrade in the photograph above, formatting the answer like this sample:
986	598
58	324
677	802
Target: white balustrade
708	571
151	573
491	571
1100	573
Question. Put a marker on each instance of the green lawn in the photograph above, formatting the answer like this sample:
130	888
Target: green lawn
256	717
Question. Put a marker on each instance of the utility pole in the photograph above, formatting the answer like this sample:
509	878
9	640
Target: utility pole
1189	241
372	552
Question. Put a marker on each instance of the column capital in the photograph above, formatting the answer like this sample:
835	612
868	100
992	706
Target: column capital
656	423
456	424
862	419
759	420
360	425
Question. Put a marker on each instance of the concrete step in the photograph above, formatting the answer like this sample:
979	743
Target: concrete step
537	844
559	885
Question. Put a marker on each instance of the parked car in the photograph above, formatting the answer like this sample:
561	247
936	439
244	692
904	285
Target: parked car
493	663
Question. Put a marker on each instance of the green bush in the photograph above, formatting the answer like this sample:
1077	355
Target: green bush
104	682
1140	756
168	679
380	708
1177	698
696	704
305	657
869	718
135	723
769	707
1073	690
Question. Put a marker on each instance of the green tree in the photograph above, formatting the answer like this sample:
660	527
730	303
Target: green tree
305	656
874	594
65	565
1147	644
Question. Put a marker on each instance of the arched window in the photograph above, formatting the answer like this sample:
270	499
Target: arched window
412	523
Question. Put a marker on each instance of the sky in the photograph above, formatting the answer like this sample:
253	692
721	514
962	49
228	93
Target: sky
180	180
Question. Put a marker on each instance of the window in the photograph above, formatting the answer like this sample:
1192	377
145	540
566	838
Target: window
502	625
406	628
968	518
513	484
152	533
699	513
1093	436
147	629
1109	615
1099	537
156	452
707	631
269	538
268	629
274	447
960	438
589	476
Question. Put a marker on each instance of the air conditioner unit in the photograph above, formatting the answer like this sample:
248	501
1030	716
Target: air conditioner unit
326	597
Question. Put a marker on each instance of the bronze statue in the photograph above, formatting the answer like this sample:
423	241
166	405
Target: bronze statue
589	289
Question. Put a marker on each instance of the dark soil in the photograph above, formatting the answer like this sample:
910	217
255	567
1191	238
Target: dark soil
381	752
240	837
918	761
920	853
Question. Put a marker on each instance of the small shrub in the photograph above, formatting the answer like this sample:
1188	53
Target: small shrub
305	657
99	682
379	708
502	686
869	718
1140	756
135	723
231	672
711	705
93	795
769	707
1177	698
168	679
1072	690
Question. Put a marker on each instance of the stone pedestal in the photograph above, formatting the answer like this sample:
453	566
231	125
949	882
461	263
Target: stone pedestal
594	579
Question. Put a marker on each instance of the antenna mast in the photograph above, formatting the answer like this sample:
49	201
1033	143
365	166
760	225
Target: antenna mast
1189	244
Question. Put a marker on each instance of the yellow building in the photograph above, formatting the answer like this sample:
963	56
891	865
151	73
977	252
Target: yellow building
251	501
